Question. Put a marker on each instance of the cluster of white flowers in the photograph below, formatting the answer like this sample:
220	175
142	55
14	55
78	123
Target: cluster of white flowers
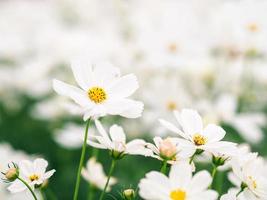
201	67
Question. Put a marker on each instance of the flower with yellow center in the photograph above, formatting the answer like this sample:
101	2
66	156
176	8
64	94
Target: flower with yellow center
101	91
178	195
33	177
197	137
34	173
253	27
180	184
97	94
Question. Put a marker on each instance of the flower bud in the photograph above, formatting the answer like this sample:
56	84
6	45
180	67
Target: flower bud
128	194
167	149
12	174
218	161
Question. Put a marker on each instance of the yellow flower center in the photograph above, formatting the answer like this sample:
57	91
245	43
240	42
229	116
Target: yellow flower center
172	47
97	94
178	195
34	177
253	182
199	139
253	27
171	105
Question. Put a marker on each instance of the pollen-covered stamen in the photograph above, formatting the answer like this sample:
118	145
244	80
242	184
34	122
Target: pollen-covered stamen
97	94
199	139
34	177
178	195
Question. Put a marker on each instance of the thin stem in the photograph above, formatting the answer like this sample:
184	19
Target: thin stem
27	185
109	176
78	178
91	192
51	194
213	174
164	167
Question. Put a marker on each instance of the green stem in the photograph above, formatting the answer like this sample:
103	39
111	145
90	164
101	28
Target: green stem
78	178
50	194
109	176
213	174
27	185
43	194
91	192
164	167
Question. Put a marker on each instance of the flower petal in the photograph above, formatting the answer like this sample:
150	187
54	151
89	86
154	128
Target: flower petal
82	72
76	94
124	86
214	133
40	165
190	121
117	134
180	174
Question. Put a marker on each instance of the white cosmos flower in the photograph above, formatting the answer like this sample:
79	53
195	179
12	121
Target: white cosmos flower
169	149
251	174
34	173
115	141
208	138
95	175
180	185
102	91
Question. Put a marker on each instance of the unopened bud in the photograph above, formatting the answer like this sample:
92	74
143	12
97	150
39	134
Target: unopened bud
167	149
12	174
129	194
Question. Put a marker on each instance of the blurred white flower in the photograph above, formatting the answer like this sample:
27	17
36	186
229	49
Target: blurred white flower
169	149
250	176
103	91
194	136
95	175
180	185
34	173
71	136
115	141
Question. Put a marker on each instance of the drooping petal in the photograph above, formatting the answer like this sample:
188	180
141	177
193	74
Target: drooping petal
76	94
17	186
125	107
101	130
137	147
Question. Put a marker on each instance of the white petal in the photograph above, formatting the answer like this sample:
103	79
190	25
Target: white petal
117	134
26	167
190	121
200	182
125	107
214	133
172	128
17	186
48	174
105	73
137	147
180	174
96	145
40	165
76	94
83	73
101	130
124	86
206	195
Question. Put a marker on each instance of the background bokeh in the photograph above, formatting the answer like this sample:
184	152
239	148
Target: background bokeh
208	55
